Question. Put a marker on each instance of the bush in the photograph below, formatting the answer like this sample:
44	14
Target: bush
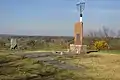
101	45
31	43
2	44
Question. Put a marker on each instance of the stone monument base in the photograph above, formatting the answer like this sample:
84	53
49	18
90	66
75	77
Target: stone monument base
78	48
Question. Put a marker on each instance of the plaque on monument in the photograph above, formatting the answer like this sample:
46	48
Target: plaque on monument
77	38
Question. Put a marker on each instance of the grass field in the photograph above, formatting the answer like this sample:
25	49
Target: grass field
14	67
99	66
111	51
94	66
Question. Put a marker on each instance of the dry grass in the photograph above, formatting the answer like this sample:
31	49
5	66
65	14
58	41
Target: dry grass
13	67
99	66
95	66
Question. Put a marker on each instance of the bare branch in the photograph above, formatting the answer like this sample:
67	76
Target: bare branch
105	31
118	33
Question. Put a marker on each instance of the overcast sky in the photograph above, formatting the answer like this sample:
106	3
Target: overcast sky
56	17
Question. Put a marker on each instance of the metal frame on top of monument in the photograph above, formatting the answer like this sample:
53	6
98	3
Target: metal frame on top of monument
80	7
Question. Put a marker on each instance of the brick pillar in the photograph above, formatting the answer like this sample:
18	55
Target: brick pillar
78	33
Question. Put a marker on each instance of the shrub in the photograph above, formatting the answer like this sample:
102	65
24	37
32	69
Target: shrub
100	45
31	43
2	44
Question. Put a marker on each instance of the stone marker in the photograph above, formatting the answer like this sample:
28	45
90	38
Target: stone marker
13	43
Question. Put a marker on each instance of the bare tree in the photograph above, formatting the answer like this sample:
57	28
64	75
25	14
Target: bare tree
98	33
112	33
91	34
118	33
105	32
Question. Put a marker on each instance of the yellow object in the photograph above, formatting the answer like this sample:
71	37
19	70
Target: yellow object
101	45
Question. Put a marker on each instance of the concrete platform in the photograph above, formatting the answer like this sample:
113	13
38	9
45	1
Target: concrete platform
78	48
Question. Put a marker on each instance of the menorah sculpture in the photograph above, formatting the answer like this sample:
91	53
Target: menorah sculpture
78	46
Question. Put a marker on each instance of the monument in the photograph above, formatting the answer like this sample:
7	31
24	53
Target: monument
78	46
